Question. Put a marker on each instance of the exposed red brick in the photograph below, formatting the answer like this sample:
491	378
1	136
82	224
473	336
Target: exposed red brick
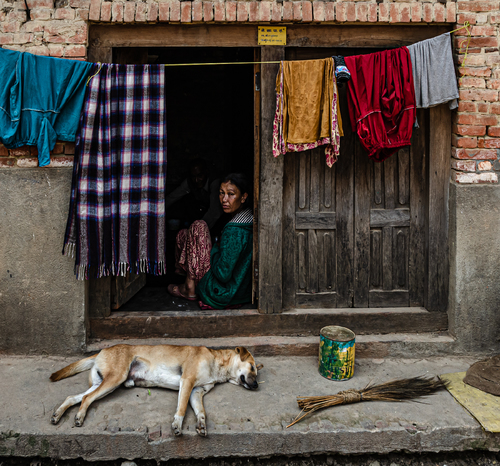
230	11
494	18
79	4
56	50
95	10
372	12
468	81
4	152
186	12
106	11
474	154
219	11
483	31
117	12
350	12
140	12
242	11
469	130
472	60
39	50
468	71
277	11
383	12
287	11
483	107
175	10
439	13
208	11
27	162
475	178
319	11
330	11
394	13
73	51
451	12
495	108
265	11
484	166
404	12
474	119
6	162
488	95
40	15
129	12
33	151
82	15
427	12
61	162
340	13
32	4
464	106
463	165
152	12
297	11
493	83
416	12
478	42
253	12
58	148
467	143
307	11
20	151
478	5
163	11
65	13
463	17
492	143
69	148
361	12
6	39
197	11
494	131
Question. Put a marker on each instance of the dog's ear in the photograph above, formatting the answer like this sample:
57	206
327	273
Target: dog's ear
260	366
243	352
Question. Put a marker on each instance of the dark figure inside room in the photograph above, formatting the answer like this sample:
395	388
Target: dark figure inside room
197	197
218	276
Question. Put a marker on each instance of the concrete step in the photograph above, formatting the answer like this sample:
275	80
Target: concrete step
396	345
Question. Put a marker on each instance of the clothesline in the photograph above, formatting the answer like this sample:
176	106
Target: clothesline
465	26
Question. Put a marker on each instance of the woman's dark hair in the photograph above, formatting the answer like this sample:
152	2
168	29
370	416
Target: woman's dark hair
242	183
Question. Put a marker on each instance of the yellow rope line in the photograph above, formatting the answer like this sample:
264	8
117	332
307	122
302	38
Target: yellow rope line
95	74
467	27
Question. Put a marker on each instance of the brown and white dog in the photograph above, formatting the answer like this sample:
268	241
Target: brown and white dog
193	370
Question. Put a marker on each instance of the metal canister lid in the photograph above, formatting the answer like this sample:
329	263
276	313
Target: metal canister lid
336	333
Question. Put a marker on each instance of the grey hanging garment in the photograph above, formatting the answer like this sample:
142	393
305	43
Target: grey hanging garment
434	72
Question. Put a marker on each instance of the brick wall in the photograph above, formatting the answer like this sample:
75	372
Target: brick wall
59	28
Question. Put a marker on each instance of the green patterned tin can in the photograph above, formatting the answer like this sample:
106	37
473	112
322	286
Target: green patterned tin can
336	353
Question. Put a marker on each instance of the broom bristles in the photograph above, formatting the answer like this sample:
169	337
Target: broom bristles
394	390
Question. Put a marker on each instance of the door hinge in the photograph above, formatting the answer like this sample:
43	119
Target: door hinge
257	81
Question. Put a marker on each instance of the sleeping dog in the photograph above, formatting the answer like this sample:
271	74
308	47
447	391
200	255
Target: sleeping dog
193	370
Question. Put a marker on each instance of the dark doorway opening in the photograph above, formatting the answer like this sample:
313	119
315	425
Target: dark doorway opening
210	115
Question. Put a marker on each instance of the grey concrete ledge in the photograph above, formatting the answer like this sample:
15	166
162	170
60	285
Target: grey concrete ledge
135	423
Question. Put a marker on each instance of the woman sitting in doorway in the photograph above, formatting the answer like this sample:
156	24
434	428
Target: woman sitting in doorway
219	276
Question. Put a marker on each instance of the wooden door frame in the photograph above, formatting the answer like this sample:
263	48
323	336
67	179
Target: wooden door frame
102	40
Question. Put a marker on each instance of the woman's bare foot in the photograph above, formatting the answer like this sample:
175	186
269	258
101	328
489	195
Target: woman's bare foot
188	288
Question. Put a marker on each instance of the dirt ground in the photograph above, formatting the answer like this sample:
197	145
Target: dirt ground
478	458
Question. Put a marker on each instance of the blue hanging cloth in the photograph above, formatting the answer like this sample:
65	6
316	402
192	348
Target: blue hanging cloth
41	99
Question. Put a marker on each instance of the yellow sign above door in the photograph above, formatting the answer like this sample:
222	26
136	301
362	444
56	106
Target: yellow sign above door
272	35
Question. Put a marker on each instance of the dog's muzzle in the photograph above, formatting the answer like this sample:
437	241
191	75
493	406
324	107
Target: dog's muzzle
252	386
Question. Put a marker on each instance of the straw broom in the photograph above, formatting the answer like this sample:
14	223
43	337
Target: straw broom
394	390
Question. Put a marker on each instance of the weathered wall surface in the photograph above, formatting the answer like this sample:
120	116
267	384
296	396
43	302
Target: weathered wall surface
41	303
474	316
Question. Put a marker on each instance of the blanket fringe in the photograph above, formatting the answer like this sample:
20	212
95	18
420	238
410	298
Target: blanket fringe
120	269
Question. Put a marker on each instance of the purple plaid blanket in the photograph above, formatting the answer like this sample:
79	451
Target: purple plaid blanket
116	221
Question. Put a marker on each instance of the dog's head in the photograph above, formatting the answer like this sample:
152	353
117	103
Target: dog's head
247	369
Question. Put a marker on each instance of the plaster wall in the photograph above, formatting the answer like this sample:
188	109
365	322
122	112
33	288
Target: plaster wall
474	305
42	305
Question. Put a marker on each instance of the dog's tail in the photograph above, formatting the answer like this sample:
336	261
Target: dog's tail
72	369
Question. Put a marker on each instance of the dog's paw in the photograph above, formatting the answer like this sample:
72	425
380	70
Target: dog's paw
201	428
78	421
176	429
55	418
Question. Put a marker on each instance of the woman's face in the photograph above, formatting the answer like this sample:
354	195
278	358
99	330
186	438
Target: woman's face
231	198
